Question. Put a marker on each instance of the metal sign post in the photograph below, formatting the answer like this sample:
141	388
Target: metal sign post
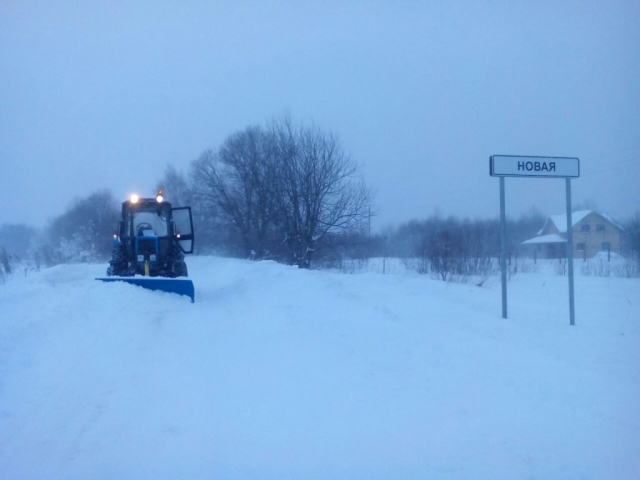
540	167
572	319
503	249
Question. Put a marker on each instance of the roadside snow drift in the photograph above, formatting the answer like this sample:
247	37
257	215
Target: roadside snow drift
279	373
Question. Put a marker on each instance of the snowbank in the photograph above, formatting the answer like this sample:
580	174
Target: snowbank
276	372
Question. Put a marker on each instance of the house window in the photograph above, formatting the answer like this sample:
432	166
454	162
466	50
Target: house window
606	246
585	228
600	228
580	247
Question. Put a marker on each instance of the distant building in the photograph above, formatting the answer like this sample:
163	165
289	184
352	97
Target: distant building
593	232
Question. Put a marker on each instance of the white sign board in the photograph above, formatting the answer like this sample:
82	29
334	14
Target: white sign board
519	166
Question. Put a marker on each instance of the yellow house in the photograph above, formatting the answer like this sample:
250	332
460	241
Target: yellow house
593	232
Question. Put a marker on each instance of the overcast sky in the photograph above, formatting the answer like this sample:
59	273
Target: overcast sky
105	94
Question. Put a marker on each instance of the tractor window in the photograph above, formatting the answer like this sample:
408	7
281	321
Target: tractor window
150	224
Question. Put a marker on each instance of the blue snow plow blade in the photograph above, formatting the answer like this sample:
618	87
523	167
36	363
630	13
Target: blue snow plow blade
170	285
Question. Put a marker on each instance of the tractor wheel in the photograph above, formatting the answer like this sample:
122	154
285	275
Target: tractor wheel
180	269
118	263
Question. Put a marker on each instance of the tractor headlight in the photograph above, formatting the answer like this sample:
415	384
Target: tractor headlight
140	258
134	198
152	258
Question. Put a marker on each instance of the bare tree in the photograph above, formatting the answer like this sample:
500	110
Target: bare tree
317	190
83	232
282	189
631	237
206	183
237	179
249	162
442	252
175	187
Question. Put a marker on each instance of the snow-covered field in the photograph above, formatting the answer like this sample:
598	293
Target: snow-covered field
277	373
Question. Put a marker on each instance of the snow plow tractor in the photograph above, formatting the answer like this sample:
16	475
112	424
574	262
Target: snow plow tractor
150	244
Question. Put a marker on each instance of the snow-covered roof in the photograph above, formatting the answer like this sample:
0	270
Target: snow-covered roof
560	221
551	238
615	224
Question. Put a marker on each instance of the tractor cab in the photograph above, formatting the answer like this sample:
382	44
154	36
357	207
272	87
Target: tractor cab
152	238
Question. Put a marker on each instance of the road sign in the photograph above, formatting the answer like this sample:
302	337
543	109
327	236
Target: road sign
546	167
519	166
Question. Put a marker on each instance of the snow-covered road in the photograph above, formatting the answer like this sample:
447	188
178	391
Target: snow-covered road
280	373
